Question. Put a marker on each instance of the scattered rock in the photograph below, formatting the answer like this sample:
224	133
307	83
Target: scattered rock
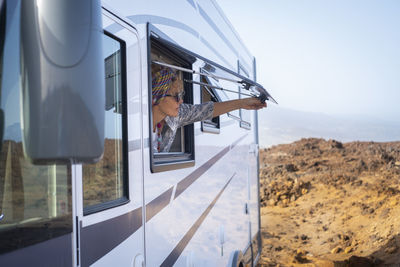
391	250
393	202
348	250
356	261
384	213
335	144
336	250
284	192
301	251
304	237
300	258
268	246
290	168
343	237
347	193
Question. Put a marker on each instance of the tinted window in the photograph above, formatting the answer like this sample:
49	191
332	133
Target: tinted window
105	183
35	201
208	94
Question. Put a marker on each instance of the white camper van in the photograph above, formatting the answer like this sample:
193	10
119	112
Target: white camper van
80	184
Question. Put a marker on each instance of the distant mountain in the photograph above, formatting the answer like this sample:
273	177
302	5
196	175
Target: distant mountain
281	126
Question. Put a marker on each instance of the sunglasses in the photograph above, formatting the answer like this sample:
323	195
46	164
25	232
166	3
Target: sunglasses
178	97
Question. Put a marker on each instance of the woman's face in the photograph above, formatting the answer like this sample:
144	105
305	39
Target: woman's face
168	104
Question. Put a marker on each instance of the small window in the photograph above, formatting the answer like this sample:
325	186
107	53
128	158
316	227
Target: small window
181	152
234	114
245	115
231	93
105	183
208	94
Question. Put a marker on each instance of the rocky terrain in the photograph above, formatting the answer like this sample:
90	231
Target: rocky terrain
325	203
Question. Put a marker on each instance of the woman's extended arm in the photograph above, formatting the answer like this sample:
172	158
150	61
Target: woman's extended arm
245	103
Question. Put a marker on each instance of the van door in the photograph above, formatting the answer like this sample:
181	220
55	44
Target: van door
109	193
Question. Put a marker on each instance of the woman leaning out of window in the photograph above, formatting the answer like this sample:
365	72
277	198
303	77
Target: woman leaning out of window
170	113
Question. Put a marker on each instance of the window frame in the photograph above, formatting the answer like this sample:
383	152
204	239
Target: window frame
206	127
219	93
87	210
190	57
243	123
165	161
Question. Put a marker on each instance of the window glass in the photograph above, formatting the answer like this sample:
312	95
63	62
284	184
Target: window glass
225	95
178	145
104	183
245	115
208	94
35	201
234	114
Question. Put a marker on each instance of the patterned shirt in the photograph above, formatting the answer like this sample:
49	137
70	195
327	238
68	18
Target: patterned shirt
187	114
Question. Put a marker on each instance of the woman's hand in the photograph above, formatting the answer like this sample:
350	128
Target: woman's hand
245	103
252	103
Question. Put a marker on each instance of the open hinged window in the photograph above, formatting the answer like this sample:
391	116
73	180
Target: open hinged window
110	174
226	95
217	83
225	81
245	115
208	94
181	152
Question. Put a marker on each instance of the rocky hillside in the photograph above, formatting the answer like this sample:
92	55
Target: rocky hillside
325	203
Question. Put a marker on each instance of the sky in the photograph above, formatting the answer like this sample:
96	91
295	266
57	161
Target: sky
337	57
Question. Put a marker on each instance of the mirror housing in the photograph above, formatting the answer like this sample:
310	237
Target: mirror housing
63	91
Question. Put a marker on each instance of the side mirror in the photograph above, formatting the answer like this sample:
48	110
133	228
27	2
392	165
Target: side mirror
62	69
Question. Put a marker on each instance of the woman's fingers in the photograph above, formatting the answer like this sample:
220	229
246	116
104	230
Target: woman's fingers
253	103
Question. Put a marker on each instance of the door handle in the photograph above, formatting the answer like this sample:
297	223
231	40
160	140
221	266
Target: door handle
138	261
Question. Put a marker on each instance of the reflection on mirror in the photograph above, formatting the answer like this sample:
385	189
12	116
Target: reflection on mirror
104	181
35	201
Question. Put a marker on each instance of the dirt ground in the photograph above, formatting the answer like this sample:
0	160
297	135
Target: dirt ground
325	203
